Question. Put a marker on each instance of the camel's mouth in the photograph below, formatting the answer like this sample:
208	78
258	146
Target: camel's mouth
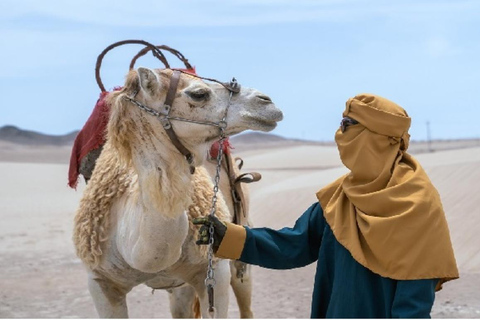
264	123
253	123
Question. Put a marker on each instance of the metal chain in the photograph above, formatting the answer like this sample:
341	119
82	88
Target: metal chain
210	280
165	116
144	107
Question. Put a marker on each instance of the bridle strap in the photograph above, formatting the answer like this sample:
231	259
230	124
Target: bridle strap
232	88
172	90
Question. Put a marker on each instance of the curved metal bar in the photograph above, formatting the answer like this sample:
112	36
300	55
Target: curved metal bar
156	52
175	52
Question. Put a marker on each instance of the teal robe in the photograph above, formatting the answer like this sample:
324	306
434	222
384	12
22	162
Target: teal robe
343	288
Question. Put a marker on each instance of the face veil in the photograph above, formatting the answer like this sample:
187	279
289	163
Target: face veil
385	211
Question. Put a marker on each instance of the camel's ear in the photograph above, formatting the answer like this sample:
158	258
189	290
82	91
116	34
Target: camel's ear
148	80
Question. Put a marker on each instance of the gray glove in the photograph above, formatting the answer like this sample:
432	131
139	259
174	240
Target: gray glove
204	234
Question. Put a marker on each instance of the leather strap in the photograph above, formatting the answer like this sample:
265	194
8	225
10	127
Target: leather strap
240	205
172	91
240	165
227	85
248	177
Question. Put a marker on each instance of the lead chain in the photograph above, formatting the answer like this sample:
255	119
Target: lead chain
210	280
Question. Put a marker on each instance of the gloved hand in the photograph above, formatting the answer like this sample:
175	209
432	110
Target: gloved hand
204	234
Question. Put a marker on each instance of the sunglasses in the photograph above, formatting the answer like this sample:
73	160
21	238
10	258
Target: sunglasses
346	122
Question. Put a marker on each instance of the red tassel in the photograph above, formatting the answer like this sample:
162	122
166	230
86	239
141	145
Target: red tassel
215	146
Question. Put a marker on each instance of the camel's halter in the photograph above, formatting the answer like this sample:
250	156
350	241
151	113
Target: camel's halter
165	119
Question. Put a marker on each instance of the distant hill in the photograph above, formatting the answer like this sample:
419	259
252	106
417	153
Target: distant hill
256	137
16	135
255	140
244	141
19	136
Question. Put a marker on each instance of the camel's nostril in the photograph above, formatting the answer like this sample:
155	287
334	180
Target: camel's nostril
264	98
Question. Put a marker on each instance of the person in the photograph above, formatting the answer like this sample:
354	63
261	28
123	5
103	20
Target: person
379	232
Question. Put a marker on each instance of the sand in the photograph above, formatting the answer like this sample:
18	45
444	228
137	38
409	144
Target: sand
42	278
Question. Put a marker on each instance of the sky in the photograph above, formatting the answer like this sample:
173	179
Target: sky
309	56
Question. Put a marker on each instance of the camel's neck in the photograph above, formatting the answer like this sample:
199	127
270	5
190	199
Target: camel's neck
152	221
164	179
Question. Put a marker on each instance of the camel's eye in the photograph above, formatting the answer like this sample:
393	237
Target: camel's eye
199	94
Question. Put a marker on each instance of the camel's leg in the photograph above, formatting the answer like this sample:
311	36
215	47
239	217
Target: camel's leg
182	301
242	287
109	298
221	290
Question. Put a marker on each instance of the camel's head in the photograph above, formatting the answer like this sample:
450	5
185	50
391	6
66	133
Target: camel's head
196	100
200	100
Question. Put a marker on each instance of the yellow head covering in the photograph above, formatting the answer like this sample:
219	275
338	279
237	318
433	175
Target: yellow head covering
386	212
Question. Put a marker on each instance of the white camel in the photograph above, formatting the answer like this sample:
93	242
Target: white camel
132	225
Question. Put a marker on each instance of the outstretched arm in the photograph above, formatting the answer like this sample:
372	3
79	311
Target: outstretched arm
286	248
276	249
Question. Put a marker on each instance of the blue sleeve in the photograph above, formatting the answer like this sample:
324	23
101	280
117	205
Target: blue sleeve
289	247
414	298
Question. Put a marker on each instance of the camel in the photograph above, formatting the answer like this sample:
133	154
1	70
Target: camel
183	300
133	223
